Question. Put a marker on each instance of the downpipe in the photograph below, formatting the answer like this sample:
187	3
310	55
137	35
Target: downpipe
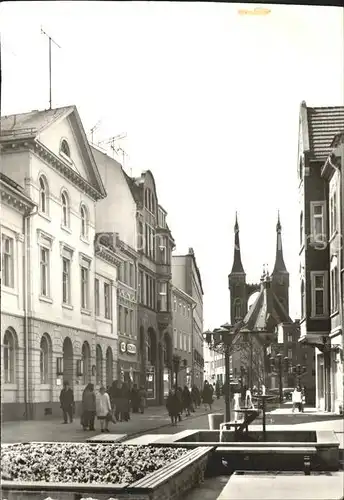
27	243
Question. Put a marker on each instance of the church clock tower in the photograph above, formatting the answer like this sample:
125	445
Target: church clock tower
280	275
237	281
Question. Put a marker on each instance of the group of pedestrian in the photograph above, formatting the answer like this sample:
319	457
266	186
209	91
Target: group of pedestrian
207	395
109	405
183	400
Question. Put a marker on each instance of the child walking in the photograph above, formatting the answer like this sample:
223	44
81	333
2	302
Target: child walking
103	409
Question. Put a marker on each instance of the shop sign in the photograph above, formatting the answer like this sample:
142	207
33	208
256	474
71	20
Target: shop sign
122	346
131	348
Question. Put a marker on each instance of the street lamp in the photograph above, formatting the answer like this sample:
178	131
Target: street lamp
222	339
281	366
298	371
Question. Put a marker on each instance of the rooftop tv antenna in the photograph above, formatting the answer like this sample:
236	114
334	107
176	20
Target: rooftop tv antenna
57	45
94	128
112	142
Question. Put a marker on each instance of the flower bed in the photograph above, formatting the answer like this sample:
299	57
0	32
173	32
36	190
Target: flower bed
83	463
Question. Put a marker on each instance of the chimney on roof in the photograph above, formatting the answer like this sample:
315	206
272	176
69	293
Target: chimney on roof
191	251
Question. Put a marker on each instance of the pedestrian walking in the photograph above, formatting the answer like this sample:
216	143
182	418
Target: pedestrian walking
207	395
125	402
179	394
103	409
186	399
142	399
173	406
303	399
115	396
67	402
218	389
297	399
135	399
88	413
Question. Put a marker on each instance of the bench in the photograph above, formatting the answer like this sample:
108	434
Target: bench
306	451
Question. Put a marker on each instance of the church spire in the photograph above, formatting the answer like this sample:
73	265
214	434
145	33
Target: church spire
279	261
237	264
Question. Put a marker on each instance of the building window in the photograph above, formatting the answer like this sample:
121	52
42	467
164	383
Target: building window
84	221
162	300
237	309
44	360
141	239
44	267
333	213
126	320
7	264
301	229
290	353
318	284
174	304
99	365
66	295
290	337
188	312
141	287
131	322
120	319
162	250
84	287
43	195
65	148
65	210
318	221
131	275
96	297
303	300
9	357
175	338
107	300
334	289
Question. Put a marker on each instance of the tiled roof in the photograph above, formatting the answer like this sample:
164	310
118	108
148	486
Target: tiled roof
323	125
34	120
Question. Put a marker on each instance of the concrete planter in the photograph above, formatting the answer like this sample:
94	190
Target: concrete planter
168	483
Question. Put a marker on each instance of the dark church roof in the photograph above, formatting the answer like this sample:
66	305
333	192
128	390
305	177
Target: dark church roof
237	264
323	124
279	260
266	312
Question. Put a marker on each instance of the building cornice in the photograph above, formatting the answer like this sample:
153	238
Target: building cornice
15	199
183	295
13	144
107	255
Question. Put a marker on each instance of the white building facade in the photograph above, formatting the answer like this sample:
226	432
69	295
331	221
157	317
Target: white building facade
48	155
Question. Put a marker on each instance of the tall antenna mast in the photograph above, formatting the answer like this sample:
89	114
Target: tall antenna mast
94	128
50	40
112	141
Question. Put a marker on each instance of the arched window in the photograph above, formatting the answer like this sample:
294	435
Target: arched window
149	348
43	195
9	357
44	360
303	301
237	309
65	148
65	209
84	221
99	365
86	358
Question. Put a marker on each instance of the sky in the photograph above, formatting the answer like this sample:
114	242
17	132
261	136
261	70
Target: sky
209	100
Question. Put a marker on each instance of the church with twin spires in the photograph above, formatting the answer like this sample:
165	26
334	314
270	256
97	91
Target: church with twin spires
277	301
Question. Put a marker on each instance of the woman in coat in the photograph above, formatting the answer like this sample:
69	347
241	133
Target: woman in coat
186	398
88	408
115	397
173	406
142	399
125	402
104	409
